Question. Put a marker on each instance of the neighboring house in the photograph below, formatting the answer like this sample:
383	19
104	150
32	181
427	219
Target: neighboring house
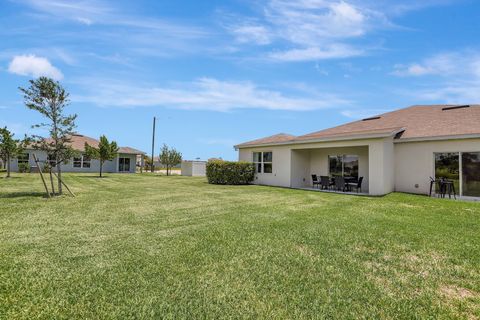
395	151
124	162
195	168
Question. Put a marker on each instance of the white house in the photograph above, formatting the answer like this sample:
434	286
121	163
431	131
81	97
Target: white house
395	151
124	162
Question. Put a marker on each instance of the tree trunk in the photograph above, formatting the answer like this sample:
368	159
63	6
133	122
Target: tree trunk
8	166
101	167
59	173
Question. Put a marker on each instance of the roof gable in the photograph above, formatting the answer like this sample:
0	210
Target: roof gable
78	143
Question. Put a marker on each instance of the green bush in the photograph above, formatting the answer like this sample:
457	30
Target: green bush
229	172
23	167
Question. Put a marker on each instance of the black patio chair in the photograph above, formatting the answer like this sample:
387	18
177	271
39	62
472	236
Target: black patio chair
356	185
325	182
340	184
315	181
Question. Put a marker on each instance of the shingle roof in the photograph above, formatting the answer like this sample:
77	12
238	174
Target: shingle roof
277	138
78	143
418	122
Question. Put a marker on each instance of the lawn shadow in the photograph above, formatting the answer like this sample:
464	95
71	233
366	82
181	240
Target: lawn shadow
22	194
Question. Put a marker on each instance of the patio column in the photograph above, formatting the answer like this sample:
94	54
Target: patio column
381	166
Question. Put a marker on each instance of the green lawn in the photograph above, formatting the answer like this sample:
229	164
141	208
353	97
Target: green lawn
145	246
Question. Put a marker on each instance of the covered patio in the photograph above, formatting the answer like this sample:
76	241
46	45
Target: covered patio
369	160
331	169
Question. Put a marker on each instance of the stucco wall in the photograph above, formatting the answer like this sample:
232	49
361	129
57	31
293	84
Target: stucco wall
108	166
414	162
300	169
280	175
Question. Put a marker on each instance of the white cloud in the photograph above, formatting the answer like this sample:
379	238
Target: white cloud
252	33
85	21
309	29
31	65
91	12
202	94
445	64
456	77
336	51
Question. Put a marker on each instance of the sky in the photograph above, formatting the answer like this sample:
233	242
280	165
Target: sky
218	73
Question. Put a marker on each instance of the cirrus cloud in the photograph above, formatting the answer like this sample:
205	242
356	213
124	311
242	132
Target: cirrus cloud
203	94
31	65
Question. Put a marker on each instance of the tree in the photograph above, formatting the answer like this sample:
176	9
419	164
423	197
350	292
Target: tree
105	151
169	157
9	147
49	98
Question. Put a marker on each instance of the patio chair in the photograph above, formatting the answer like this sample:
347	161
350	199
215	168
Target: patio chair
325	182
355	185
340	184
315	181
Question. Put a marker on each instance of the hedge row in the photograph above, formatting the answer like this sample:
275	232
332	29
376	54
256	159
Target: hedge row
229	172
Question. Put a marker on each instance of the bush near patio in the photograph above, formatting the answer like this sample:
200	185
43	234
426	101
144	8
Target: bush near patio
230	172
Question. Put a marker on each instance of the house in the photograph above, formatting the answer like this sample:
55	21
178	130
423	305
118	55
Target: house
395	151
194	168
124	162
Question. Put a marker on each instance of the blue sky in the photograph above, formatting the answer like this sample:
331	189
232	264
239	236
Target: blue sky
217	73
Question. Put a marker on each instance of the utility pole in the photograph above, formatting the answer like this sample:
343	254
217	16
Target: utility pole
153	144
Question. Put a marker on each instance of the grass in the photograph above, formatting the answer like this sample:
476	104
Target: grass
147	246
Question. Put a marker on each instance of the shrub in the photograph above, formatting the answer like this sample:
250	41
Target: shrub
229	172
23	167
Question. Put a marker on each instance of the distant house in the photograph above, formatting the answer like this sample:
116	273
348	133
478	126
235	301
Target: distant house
395	151
124	162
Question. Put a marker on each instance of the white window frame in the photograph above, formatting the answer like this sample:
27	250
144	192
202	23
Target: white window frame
24	161
262	162
82	161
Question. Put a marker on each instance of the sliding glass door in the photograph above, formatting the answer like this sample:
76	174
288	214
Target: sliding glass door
343	165
471	174
447	166
124	164
463	168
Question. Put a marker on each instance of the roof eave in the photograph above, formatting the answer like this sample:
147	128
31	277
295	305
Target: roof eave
326	139
439	138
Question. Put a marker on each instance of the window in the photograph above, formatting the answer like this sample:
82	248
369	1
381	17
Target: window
263	162
77	162
447	166
463	168
81	162
51	160
343	165
471	174
23	158
124	164
86	162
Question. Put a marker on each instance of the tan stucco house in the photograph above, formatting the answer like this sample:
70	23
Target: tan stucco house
124	162
395	151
